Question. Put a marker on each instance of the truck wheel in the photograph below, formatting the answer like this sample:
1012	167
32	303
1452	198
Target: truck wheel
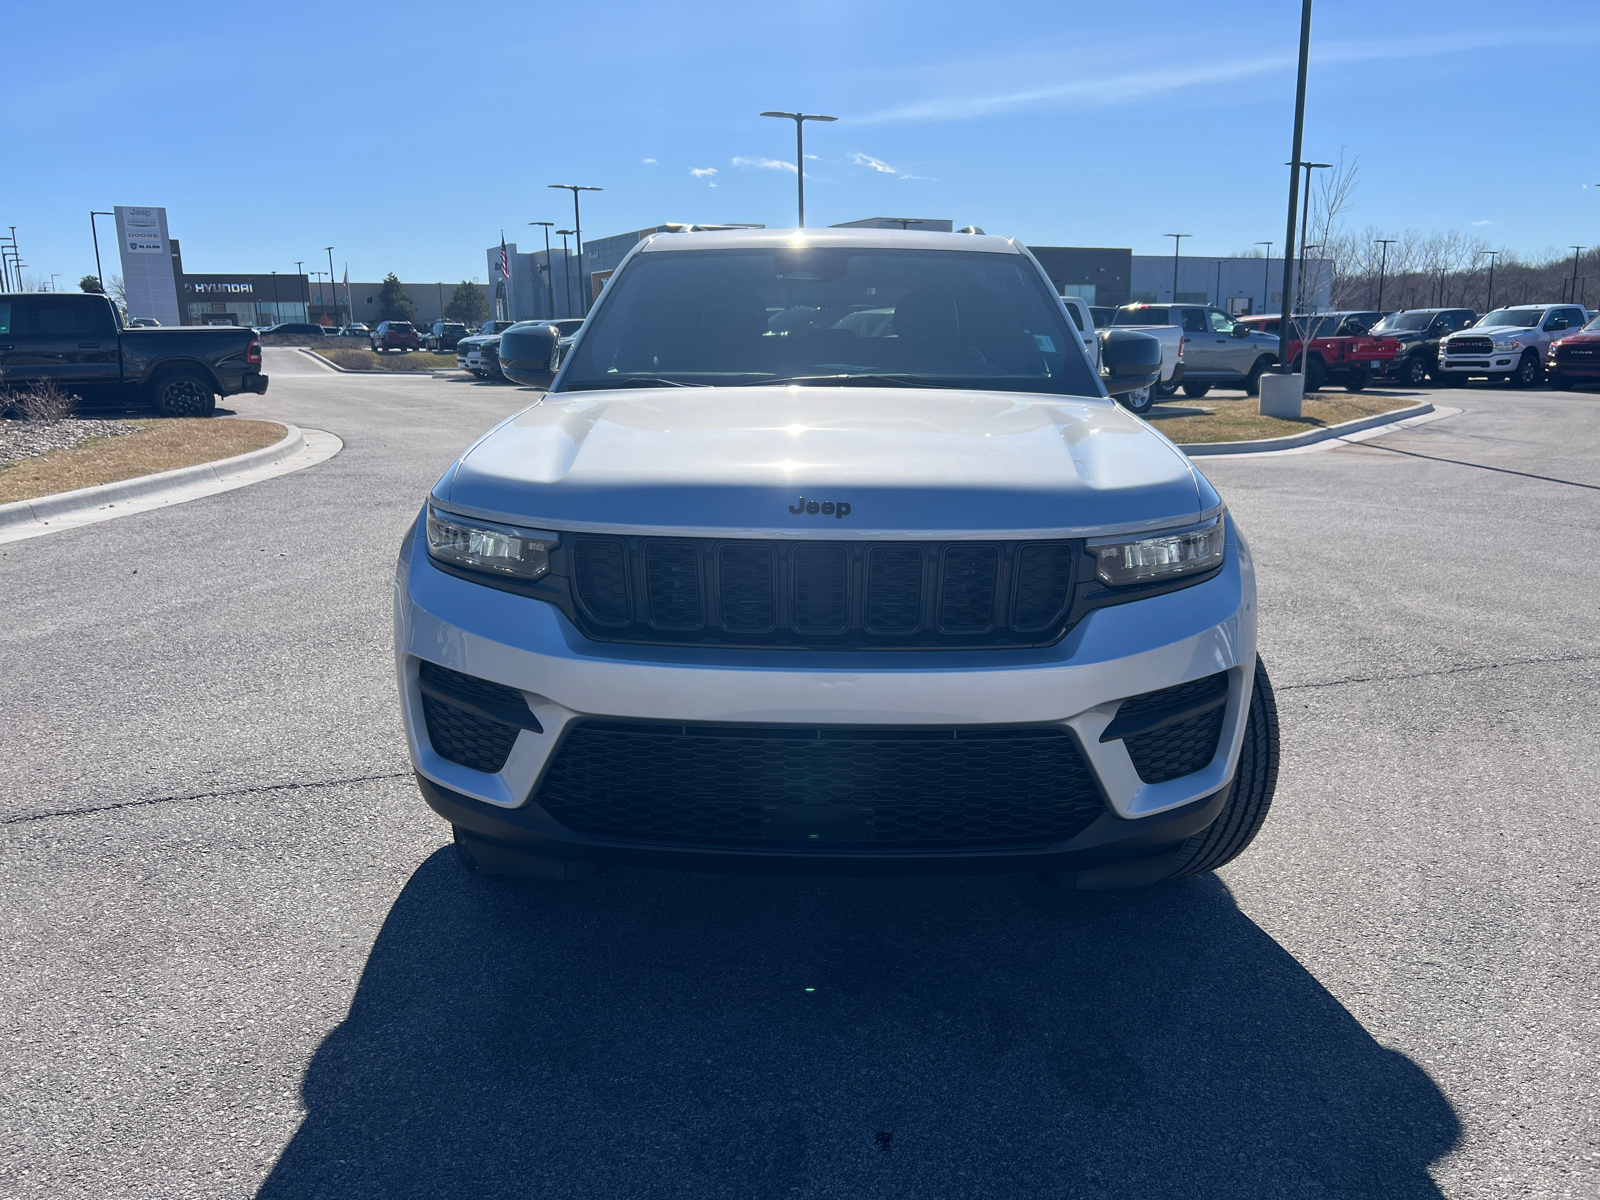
1163	391
183	394
1316	375
1139	402
1357	380
1529	372
1252	381
1250	796
1415	371
1196	390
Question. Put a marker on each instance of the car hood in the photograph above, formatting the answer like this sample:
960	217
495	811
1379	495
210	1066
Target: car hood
708	462
1493	331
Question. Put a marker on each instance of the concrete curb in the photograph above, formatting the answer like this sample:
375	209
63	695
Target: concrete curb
333	366
1295	440
67	504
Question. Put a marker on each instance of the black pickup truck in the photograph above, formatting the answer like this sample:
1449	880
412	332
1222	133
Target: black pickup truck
79	343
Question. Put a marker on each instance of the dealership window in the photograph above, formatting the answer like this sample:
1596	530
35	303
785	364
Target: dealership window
1084	291
257	313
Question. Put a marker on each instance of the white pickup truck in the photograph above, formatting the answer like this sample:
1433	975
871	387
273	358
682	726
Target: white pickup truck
1509	343
1170	337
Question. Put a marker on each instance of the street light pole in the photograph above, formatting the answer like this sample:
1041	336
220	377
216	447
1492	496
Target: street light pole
1493	254
1384	263
1177	240
1294	173
549	275
566	282
800	120
1266	282
331	288
1219	283
95	233
1576	252
577	230
305	290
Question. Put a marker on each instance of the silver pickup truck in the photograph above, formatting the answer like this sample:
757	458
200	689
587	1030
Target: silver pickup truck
1217	350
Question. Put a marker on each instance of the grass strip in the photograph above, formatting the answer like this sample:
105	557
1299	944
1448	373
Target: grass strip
1230	420
162	444
366	360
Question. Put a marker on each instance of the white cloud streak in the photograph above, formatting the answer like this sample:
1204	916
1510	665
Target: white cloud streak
877	164
1483	222
766	164
702	172
651	161
1128	87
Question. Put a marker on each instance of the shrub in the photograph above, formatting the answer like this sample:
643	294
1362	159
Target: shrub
42	401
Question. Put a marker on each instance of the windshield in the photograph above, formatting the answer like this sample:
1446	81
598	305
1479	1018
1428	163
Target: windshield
1593	326
831	316
1521	318
1142	316
1395	322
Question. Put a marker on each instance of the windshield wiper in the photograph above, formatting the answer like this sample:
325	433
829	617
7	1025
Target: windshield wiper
631	381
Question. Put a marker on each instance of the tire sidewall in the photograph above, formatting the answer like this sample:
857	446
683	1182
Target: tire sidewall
183	394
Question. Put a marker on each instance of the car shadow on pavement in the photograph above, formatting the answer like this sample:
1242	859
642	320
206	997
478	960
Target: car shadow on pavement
653	1034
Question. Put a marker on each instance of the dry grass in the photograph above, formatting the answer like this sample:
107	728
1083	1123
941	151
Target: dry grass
162	445
1236	420
367	360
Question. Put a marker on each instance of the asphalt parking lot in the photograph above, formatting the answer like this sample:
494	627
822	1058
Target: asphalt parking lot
241	960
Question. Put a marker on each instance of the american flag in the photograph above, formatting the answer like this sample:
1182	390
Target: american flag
505	262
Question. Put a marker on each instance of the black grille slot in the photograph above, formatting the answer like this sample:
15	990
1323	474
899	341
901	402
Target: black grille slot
798	593
821	588
672	579
459	735
1175	750
966	600
1475	345
745	583
894	589
1044	574
820	788
601	569
1174	731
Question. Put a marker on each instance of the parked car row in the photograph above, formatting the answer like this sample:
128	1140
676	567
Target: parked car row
479	353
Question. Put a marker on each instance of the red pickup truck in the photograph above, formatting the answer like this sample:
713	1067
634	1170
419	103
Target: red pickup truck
1338	353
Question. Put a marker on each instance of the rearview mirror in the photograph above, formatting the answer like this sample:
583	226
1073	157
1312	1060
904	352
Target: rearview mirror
530	356
1130	360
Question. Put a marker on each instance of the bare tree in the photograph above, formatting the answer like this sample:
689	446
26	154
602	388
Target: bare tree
1332	196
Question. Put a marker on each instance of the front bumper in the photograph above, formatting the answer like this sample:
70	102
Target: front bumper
1078	684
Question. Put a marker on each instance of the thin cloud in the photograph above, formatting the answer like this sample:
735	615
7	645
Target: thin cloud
877	164
1483	222
651	161
920	178
766	164
702	172
1127	87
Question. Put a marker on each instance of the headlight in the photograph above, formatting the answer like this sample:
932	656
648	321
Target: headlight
1507	345
485	546
1160	556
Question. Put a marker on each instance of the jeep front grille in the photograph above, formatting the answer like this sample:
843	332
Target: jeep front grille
808	593
820	788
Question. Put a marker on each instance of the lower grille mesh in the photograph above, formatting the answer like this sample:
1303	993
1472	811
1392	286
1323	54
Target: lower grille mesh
1175	750
466	738
820	787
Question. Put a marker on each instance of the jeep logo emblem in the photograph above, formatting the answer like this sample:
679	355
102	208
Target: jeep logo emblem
838	510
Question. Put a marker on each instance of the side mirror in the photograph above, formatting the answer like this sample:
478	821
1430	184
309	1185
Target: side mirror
1557	323
1129	360
1242	331
530	356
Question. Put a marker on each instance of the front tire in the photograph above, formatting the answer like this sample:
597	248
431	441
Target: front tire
1357	380
1138	402
1415	372
1252	381
1196	390
1163	391
1250	796
1529	372
1316	375
183	394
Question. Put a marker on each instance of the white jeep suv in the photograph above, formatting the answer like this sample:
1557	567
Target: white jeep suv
760	585
1509	343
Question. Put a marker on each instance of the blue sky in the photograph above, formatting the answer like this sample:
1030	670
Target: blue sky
409	135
